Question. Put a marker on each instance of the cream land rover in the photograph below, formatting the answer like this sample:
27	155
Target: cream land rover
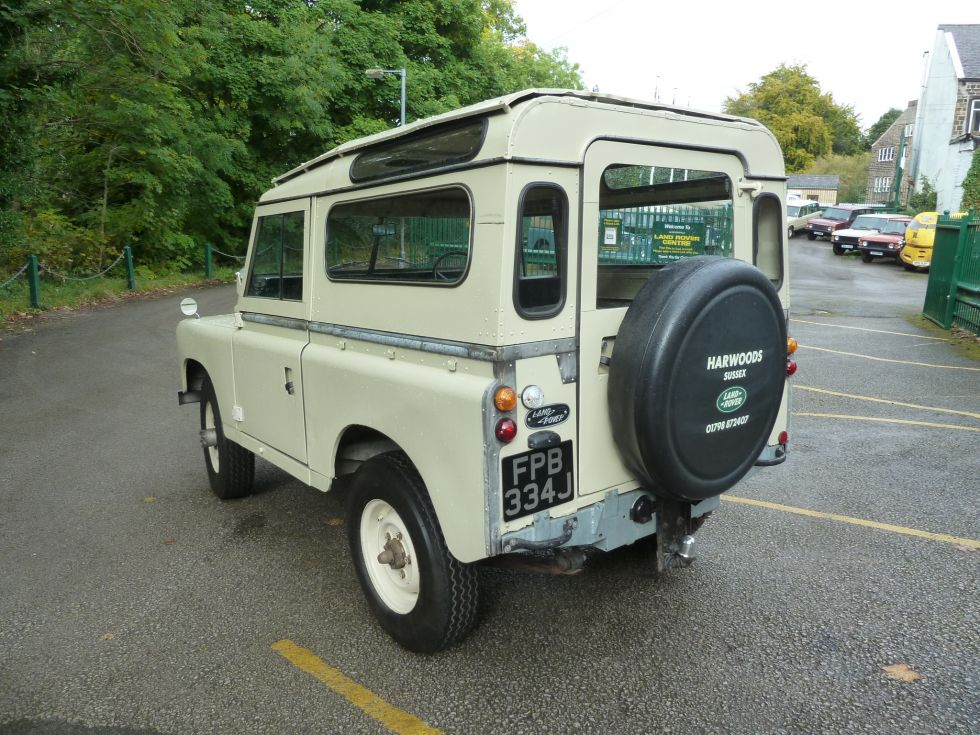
550	324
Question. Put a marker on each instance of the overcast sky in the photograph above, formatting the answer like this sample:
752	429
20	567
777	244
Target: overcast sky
867	54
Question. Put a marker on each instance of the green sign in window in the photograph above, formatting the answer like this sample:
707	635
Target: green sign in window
675	240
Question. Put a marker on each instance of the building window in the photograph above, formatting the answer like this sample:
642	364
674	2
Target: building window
887	153
973	119
882	184
908	130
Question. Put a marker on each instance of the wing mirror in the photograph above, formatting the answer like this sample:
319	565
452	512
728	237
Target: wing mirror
188	307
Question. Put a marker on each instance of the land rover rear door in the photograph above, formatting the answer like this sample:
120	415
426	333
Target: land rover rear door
643	206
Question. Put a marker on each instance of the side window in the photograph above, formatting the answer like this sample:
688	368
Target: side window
539	273
277	263
767	240
414	238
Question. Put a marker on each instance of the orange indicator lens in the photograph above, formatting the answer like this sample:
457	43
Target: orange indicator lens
791	345
505	399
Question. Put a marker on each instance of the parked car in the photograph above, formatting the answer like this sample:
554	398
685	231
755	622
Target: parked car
887	243
846	239
834	218
488	396
919	238
798	213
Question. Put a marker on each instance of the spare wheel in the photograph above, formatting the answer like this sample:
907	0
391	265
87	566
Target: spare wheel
697	376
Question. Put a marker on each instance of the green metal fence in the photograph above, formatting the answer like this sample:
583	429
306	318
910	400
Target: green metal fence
953	291
641	237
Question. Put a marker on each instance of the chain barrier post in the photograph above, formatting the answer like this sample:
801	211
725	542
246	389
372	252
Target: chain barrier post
34	279
207	260
130	273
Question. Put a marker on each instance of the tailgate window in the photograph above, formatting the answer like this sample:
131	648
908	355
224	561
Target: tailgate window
650	216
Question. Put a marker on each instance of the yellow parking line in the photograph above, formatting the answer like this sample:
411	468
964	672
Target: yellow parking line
906	422
866	329
971	414
886	359
945	538
396	720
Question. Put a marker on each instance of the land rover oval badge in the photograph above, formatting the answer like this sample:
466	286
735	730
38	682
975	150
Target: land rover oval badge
546	416
731	399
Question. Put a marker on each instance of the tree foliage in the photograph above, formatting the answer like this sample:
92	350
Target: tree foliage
971	185
158	124
853	172
923	199
876	130
806	122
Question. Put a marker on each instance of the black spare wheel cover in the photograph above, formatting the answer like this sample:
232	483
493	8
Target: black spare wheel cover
697	376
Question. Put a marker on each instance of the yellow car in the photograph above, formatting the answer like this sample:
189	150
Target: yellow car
919	237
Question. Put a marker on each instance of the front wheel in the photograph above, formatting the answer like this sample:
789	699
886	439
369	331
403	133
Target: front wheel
789	233
421	594
811	236
865	258
838	250
231	467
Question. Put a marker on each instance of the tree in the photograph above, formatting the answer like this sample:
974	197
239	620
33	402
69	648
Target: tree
923	199
971	185
158	125
853	172
876	130
806	122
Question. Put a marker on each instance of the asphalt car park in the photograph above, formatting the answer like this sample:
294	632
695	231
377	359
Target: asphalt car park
837	592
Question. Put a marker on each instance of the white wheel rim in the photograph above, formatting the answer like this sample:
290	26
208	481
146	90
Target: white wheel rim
397	588
209	424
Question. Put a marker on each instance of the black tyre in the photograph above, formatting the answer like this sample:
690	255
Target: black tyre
865	258
231	467
789	233
697	376
420	593
838	250
811	236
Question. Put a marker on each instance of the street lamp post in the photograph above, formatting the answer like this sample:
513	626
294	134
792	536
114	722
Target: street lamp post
379	73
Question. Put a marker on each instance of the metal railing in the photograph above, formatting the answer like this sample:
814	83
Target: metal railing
34	268
953	291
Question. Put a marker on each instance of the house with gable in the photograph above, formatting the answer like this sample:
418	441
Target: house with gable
889	155
947	121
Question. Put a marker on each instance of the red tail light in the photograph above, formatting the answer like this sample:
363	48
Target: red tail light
506	430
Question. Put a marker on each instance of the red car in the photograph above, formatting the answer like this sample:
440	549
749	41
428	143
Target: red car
884	244
835	217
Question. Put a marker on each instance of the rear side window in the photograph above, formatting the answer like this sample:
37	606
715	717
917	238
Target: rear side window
539	276
278	258
421	238
767	238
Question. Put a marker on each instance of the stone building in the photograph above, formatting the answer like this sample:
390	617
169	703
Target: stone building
889	155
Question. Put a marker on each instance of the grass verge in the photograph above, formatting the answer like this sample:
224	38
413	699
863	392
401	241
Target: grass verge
964	342
70	295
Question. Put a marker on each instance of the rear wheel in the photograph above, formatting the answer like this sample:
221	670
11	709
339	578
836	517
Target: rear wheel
421	594
231	467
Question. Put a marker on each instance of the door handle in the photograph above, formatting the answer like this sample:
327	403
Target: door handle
289	386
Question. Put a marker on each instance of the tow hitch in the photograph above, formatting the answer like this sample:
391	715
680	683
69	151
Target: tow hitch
675	545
